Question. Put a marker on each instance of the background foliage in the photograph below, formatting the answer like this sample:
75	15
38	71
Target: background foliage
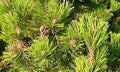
59	35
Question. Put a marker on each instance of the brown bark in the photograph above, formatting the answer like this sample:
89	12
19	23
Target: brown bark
91	57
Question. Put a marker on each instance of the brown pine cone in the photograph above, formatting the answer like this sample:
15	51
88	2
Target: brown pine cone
44	31
27	41
20	44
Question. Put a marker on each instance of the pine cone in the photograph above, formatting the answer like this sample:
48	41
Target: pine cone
27	41
20	44
44	31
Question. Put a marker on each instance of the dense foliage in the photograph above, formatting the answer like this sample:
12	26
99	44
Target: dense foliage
59	35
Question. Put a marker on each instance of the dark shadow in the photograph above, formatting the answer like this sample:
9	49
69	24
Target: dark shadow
115	22
3	44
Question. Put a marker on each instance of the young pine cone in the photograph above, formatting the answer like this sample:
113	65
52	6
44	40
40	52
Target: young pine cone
44	31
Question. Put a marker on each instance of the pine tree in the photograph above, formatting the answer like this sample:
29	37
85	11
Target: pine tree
59	35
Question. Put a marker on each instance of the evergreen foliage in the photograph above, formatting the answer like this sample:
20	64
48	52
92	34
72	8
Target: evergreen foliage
59	35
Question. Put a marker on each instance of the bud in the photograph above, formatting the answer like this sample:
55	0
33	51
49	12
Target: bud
18	30
73	42
55	20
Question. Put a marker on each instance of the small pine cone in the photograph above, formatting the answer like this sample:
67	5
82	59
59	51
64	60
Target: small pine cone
18	30
55	20
26	42
73	42
44	31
